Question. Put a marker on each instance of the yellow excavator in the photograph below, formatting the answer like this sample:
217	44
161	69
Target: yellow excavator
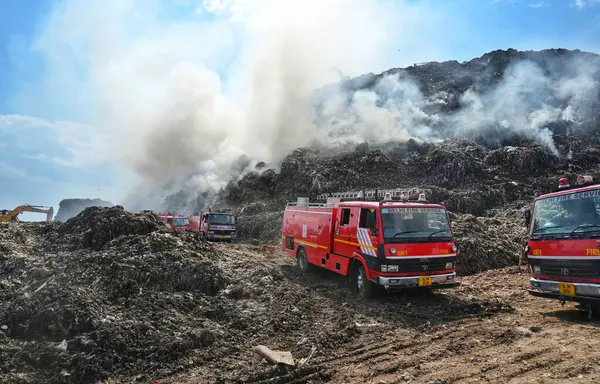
7	215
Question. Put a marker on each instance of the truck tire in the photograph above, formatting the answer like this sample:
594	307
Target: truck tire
363	287
302	261
587	312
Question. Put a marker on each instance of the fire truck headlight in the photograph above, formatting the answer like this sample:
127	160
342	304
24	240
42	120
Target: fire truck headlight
537	270
454	249
449	265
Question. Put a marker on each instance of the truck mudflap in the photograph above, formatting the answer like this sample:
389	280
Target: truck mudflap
447	280
583	293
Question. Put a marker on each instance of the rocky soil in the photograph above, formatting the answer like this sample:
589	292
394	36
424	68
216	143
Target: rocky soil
114	297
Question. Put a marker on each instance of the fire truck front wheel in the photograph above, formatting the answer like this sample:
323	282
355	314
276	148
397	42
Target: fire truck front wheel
364	288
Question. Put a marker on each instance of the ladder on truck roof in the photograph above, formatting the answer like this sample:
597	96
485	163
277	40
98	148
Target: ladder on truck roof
305	202
398	194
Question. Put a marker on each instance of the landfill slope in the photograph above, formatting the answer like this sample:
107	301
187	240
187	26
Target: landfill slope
488	190
487	176
115	297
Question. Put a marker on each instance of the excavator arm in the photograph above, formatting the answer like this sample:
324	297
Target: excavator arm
12	215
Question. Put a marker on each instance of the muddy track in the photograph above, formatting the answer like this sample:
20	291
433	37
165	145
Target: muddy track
487	331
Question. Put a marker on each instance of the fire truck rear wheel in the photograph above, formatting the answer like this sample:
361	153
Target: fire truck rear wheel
364	288
302	261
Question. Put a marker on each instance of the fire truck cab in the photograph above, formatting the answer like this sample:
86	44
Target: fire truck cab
563	249
218	225
175	221
397	240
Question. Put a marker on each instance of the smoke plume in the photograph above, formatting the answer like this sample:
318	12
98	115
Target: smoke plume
195	103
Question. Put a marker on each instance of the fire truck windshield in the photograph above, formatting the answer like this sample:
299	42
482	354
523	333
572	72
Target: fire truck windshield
181	221
576	212
415	224
221	219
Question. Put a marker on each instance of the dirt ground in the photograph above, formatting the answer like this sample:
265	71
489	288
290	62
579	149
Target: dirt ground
489	330
150	305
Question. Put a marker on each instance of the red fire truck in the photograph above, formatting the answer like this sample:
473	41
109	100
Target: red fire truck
389	238
216	224
563	250
175	221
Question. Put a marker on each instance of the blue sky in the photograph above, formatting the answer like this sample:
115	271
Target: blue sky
65	102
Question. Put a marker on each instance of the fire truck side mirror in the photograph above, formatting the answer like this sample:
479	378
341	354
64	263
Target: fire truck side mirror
527	218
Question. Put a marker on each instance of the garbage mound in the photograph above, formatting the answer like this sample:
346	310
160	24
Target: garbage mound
133	297
68	208
486	142
487	242
487	188
94	227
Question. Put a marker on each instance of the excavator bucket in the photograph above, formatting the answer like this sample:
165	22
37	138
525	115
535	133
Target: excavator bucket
50	215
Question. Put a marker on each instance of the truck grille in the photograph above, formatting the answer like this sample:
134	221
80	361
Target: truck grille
418	265
222	232
572	269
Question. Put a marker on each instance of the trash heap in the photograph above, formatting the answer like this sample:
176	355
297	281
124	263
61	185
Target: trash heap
489	189
98	295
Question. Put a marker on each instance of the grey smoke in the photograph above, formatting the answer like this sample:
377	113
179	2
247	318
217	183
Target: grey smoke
178	125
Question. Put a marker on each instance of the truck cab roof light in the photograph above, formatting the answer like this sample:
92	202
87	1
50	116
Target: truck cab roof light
563	183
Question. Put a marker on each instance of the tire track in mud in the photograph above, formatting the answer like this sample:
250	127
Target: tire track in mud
422	356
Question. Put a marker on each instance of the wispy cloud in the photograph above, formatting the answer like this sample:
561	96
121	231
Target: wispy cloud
86	145
537	5
585	3
8	170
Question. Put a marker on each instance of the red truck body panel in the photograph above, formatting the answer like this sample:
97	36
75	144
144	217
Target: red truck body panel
333	239
563	249
178	222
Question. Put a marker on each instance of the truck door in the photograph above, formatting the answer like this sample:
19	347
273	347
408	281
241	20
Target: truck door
344	225
367	236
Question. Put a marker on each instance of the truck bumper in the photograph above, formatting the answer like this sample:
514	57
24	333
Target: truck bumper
585	293
447	280
220	237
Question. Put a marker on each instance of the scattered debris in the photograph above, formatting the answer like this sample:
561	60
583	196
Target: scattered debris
275	357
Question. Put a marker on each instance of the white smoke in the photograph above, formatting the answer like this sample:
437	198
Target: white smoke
187	99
